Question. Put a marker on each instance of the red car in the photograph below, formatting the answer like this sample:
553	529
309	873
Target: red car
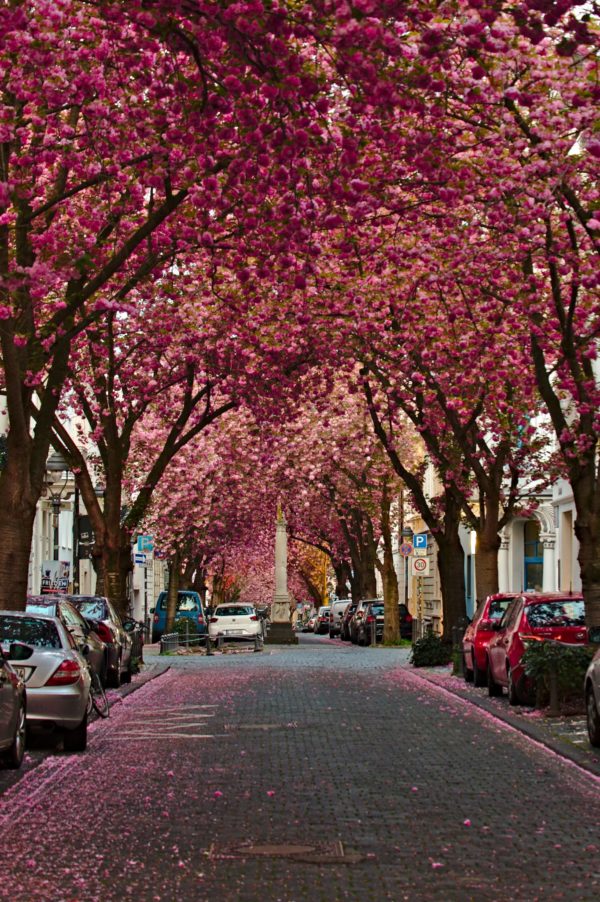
531	617
478	634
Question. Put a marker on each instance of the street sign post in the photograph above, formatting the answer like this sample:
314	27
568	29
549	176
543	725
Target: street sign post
145	544
420	566
406	549
139	559
420	544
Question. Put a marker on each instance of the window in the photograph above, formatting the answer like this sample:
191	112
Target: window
41	633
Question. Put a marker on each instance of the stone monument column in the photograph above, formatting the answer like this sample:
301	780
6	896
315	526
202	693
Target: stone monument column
281	630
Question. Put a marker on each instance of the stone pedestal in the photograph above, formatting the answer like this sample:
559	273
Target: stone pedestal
280	631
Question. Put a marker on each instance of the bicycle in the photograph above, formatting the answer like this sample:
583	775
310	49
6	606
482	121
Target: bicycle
97	697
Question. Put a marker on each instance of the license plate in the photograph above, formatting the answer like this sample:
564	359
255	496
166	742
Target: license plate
233	632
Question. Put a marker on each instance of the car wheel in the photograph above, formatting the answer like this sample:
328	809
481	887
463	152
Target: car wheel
14	755
494	689
513	695
479	676
593	718
113	678
126	675
76	740
331	635
468	673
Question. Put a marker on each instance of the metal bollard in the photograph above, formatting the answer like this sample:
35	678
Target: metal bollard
209	650
257	643
554	707
374	633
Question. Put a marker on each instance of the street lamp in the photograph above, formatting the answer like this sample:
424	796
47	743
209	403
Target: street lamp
55	465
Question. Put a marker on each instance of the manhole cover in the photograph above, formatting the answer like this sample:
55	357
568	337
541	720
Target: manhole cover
309	854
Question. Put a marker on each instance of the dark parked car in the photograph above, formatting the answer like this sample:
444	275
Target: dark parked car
355	621
531	617
13	707
479	632
345	625
406	622
101	615
86	638
373	619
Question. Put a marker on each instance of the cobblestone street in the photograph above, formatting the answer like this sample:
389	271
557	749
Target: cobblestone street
320	772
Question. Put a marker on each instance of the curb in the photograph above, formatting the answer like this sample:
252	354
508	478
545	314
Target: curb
588	760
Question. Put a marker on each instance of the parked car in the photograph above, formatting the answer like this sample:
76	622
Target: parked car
234	621
357	617
336	613
309	626
373	619
56	675
592	691
479	632
322	620
13	708
530	617
86	638
345	624
406	622
189	604
102	616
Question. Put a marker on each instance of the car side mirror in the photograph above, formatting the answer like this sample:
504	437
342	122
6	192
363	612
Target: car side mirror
594	635
151	610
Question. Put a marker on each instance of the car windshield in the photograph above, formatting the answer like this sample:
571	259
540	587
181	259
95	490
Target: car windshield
497	608
556	613
235	611
31	630
377	609
94	608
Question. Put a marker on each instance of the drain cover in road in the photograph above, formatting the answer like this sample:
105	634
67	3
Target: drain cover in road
311	854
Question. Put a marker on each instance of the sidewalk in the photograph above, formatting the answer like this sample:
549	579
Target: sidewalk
566	736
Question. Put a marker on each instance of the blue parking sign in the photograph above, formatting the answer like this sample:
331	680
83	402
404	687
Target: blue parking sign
420	540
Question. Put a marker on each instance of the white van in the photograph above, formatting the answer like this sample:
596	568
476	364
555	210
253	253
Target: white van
337	610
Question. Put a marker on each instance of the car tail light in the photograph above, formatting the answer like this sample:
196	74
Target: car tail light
529	637
156	618
214	620
200	618
104	632
65	675
408	618
253	617
370	619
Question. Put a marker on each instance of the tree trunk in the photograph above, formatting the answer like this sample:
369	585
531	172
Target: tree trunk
342	571
451	566
486	563
173	592
16	531
391	624
587	530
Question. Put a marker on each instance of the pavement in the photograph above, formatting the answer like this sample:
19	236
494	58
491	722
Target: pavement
565	735
322	772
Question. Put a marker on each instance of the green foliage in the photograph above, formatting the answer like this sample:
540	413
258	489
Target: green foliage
430	651
569	662
185	626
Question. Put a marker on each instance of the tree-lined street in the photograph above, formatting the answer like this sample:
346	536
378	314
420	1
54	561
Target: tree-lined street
316	772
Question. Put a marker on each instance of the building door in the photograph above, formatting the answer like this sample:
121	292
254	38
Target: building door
534	562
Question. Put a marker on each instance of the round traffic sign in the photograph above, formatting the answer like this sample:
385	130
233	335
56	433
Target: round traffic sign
406	549
420	564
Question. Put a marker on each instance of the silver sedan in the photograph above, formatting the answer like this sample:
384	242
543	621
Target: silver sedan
55	674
